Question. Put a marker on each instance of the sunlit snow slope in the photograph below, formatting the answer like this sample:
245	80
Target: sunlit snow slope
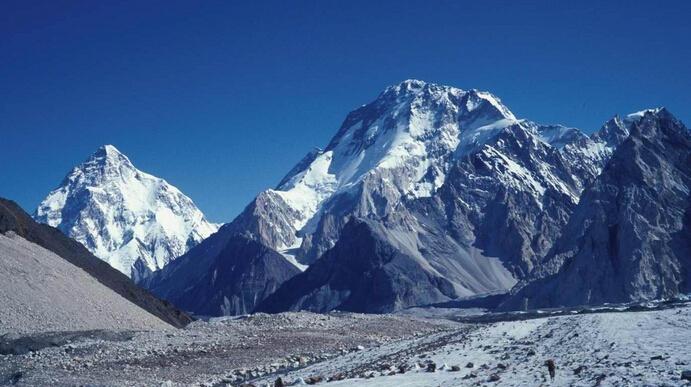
134	221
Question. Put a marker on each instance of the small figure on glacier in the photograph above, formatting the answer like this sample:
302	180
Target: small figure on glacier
551	367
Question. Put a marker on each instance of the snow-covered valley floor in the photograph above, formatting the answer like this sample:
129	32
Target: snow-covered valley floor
645	348
608	349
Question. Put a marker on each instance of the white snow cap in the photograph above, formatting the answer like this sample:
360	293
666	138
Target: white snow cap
110	149
630	118
124	215
408	132
110	152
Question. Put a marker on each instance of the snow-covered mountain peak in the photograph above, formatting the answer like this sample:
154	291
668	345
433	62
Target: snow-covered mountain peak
133	220
402	127
616	129
423	111
408	85
434	191
106	161
413	90
612	133
109	154
652	120
402	143
487	97
109	150
400	149
636	116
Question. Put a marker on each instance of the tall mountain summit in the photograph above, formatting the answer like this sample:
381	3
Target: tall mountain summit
134	221
426	187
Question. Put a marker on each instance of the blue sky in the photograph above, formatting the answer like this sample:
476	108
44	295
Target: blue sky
222	98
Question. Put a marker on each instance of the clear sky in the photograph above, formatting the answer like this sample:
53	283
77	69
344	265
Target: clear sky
222	98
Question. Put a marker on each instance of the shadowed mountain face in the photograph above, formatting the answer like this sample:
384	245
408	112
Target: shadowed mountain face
14	219
232	280
364	272
629	239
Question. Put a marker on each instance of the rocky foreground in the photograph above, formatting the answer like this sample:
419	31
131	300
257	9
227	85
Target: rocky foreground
205	353
616	348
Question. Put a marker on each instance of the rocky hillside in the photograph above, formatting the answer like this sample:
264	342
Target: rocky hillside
41	292
14	220
629	239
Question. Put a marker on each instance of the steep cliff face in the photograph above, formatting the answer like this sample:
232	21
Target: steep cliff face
629	239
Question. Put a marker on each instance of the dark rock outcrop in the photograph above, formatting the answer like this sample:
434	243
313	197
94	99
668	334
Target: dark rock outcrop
629	239
364	272
233	275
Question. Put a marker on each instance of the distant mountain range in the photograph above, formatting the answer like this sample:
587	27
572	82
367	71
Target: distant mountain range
427	194
134	221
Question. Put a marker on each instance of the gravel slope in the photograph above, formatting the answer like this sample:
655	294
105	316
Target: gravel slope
41	292
14	219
